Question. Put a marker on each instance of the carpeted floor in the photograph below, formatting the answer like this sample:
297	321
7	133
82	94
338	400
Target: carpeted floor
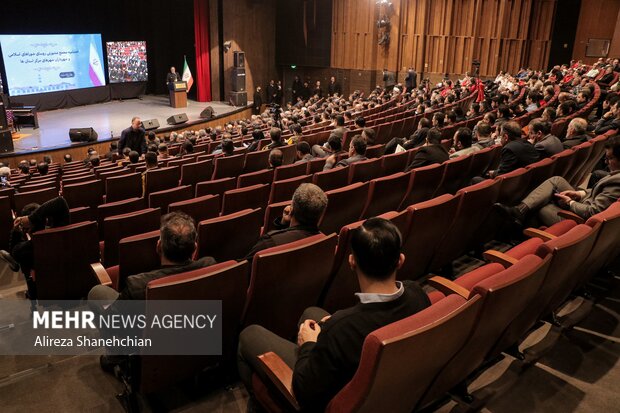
580	373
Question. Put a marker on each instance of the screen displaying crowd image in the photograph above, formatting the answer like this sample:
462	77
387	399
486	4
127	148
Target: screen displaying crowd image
127	61
51	63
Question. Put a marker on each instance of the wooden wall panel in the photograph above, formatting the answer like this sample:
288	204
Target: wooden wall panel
597	20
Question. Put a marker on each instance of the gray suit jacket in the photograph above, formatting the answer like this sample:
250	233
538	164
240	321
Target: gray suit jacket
600	197
351	160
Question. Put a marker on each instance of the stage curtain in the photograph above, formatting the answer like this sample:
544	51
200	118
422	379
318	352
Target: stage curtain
203	62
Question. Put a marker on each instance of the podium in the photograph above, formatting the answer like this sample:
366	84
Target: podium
178	94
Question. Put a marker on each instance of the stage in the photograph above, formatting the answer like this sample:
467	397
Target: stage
108	119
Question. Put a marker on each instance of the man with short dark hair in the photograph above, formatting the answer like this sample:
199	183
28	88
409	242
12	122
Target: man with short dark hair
42	168
329	347
303	152
112	152
462	143
134	157
483	136
162	151
369	136
539	134
516	151
276	158
432	151
176	246
299	220
332	146
276	139
357	152
133	137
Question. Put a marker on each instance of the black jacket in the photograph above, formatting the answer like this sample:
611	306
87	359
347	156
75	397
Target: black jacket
135	285
132	139
428	155
334	88
325	367
281	237
572	141
516	154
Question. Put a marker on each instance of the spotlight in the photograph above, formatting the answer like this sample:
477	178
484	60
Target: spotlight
227	46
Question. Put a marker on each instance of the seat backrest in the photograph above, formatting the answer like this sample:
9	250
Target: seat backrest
256	161
123	187
340	288
141	245
6	222
395	162
286	280
428	224
254	178
251	197
384	380
513	186
62	258
117	208
423	184
580	160
541	171
364	171
162	199
481	161
225	282
386	194
200	208
455	175
332	178
289	154
505	294
158	179
315	165
290	171
10	193
563	162
245	225
194	172
38	186
466	231
216	187
344	206
272	212
375	151
87	194
283	190
607	244
39	197
117	227
228	166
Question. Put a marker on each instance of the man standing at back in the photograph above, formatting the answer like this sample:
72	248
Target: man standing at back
133	137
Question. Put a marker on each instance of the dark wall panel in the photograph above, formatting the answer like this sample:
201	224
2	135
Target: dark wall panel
303	32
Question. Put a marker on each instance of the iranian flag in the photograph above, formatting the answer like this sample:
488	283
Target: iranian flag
95	69
187	75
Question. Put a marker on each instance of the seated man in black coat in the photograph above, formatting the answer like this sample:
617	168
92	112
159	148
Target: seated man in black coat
329	347
516	151
176	247
432	151
300	220
357	153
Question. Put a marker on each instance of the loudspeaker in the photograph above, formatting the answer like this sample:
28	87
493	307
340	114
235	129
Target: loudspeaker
150	124
4	123
238	98
208	113
239	59
6	141
82	135
177	119
238	79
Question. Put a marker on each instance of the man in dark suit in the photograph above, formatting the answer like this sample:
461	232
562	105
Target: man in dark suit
333	87
357	153
176	246
329	347
296	89
411	81
299	220
318	90
556	194
432	151
389	79
516	151
257	101
133	137
172	77
272	91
